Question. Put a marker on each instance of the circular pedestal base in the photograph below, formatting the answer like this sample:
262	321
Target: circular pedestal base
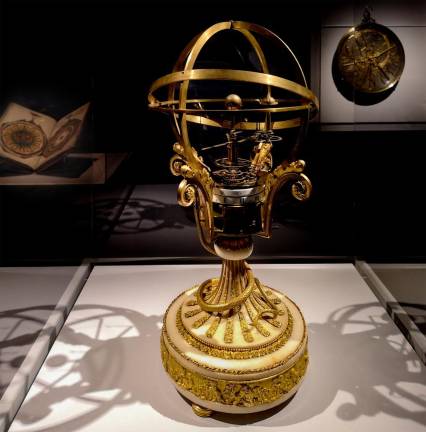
233	378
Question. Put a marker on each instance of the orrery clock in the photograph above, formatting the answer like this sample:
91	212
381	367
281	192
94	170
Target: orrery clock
232	344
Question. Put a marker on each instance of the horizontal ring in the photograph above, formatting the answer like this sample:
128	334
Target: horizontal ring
164	106
222	100
275	125
232	75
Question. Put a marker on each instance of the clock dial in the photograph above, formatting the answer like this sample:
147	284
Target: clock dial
22	138
369	59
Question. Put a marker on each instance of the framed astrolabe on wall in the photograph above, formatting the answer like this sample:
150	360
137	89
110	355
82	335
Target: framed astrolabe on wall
368	62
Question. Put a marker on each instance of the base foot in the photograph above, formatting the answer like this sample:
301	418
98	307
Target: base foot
200	411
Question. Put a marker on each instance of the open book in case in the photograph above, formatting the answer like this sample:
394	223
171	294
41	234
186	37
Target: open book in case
32	141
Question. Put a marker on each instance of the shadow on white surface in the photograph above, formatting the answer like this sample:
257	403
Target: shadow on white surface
88	375
140	216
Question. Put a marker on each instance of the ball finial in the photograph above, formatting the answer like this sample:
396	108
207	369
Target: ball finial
233	248
233	102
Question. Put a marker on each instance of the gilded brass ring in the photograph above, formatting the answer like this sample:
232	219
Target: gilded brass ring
231	75
221	307
275	125
165	107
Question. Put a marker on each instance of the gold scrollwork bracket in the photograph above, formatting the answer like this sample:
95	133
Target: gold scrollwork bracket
186	193
195	189
301	188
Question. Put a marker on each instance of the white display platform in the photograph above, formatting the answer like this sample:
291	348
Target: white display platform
34	304
104	371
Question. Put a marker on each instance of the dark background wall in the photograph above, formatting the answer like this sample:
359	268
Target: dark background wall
370	187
